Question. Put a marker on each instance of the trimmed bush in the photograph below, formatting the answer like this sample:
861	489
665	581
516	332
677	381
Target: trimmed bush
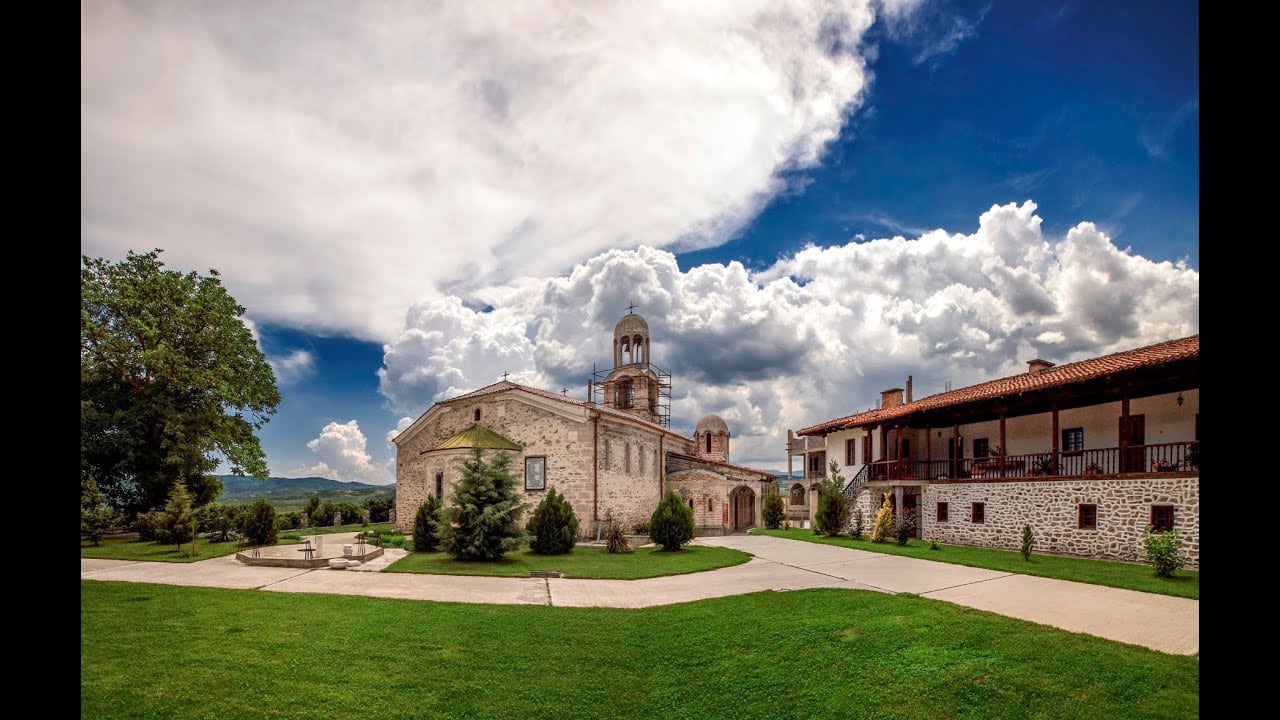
147	525
773	510
259	523
903	526
833	507
856	532
1161	550
1028	541
883	525
671	524
553	525
482	521
426	526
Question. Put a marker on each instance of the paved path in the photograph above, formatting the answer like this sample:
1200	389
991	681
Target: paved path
1160	622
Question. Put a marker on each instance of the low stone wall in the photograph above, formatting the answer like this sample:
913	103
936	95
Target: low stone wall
1051	507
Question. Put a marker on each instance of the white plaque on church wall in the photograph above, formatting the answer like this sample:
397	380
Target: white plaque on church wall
535	473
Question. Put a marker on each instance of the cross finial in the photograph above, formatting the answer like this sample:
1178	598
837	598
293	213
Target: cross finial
564	391
504	375
631	308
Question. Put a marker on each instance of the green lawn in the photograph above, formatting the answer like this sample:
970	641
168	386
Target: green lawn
165	651
132	549
1185	583
583	562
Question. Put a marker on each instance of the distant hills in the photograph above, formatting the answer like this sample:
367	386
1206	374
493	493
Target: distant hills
288	494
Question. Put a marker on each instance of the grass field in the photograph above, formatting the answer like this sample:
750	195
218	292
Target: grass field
133	549
1185	583
165	651
583	562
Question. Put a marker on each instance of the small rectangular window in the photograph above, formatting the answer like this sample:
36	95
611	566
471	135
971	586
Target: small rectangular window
1162	518
979	513
1073	440
535	473
1087	516
981	448
849	446
942	512
440	486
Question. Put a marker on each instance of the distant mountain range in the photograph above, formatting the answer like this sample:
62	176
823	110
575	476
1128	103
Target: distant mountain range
288	494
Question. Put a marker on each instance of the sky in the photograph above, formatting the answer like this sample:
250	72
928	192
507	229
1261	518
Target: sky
808	201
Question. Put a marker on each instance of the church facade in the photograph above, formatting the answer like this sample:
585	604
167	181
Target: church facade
612	455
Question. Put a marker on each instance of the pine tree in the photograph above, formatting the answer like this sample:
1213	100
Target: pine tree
178	519
426	526
773	509
553	525
96	517
671	524
482	521
833	507
882	528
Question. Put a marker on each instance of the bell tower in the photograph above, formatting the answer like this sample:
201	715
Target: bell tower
634	385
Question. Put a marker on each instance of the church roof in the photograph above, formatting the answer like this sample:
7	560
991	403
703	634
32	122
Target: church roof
631	323
713	424
478	436
718	464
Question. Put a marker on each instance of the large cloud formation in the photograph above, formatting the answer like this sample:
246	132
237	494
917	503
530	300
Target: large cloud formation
815	336
341	455
312	152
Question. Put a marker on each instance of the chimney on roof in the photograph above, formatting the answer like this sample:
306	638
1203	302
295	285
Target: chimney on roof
891	398
908	388
1037	366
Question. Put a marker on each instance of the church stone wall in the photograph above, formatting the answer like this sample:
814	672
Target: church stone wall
565	443
630	473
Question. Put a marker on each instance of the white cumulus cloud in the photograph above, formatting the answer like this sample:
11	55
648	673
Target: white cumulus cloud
340	161
294	367
341	455
817	335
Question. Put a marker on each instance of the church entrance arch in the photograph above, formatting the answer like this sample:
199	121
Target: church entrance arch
742	502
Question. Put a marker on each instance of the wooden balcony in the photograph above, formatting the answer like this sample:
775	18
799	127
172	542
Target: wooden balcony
1179	457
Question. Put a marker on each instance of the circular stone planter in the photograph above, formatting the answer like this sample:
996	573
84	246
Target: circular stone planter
337	564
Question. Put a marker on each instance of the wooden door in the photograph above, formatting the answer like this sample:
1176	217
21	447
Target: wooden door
1133	438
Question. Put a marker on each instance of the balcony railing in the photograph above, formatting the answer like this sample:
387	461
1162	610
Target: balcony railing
1162	457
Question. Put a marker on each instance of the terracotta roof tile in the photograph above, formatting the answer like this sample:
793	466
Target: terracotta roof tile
1125	361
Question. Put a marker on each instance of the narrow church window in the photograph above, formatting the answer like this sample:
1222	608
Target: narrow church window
709	507
535	473
439	486
640	458
690	503
606	453
626	457
477	415
708	442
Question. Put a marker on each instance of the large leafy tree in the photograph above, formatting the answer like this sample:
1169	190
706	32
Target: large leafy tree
482	521
171	380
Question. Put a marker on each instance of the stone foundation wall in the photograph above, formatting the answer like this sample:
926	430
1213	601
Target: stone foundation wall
1051	507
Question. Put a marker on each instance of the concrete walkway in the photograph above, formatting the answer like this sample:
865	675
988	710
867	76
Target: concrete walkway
1160	622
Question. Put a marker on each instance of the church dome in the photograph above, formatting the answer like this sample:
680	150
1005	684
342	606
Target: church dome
631	324
713	424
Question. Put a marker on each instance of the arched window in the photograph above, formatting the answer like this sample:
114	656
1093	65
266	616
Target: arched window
797	495
638	344
477	415
708	442
709	507
440	484
690	503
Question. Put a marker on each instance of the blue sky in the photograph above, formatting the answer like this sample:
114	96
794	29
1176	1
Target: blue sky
449	197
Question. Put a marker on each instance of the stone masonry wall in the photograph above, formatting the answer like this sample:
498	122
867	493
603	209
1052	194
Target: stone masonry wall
1050	507
565	443
630	474
709	494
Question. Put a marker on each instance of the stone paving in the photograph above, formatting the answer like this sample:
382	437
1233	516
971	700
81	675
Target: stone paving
1160	622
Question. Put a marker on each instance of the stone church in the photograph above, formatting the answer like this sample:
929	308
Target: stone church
611	453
